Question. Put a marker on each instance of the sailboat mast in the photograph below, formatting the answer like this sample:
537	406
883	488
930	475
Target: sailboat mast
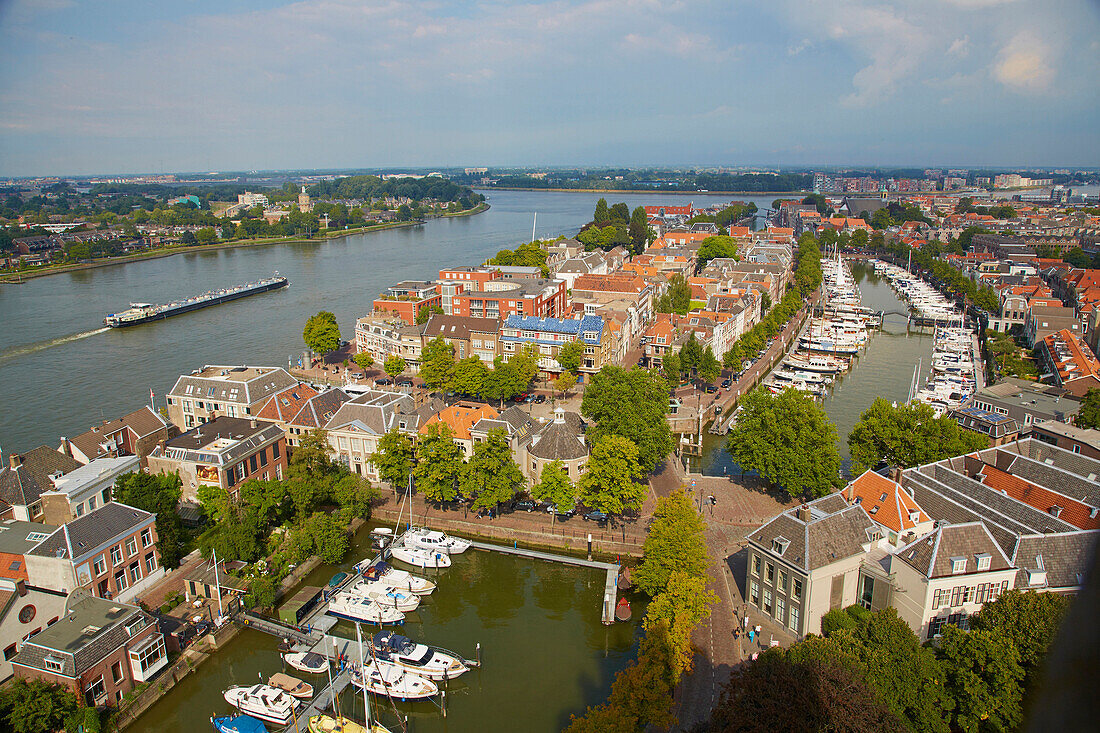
533	223
363	666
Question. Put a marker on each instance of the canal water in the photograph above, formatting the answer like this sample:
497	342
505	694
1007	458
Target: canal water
545	653
884	369
61	371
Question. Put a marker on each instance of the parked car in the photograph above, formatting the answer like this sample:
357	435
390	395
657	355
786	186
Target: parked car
529	398
595	516
521	397
540	398
525	505
383	381
727	382
562	513
405	383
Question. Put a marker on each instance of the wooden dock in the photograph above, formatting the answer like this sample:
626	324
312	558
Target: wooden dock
321	702
611	588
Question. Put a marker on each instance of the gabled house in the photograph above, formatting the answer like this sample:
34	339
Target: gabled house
886	503
137	433
231	391
357	426
27	476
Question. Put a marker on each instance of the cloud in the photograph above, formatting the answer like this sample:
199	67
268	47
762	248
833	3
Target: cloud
797	48
977	4
1024	64
960	47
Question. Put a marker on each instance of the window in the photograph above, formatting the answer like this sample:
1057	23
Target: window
796	589
120	581
770	570
10	652
756	565
263	454
782	581
100	565
91	504
151	655
956	595
794	618
275	452
146	537
937	598
983	561
150	562
96	691
767	600
131	546
754	593
116	554
780	610
80	510
958	565
54	664
116	672
934	626
135	572
252	459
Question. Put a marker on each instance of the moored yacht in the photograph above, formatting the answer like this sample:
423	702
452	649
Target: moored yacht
426	661
264	702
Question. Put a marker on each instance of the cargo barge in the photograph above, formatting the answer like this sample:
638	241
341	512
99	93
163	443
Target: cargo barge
146	312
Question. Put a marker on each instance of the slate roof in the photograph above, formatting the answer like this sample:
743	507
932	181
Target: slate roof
238	384
246	439
1065	557
373	412
834	531
560	440
141	423
91	629
16	535
22	485
458	327
932	554
318	410
86	534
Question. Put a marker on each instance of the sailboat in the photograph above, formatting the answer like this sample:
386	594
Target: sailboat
340	724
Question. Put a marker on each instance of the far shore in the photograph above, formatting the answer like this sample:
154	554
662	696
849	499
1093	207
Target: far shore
647	191
14	278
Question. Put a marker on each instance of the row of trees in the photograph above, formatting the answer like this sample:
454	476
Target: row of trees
727	216
870	672
471	376
34	706
614	226
790	442
692	359
673	572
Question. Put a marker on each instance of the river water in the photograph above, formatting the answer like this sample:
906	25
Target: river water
61	371
545	653
884	369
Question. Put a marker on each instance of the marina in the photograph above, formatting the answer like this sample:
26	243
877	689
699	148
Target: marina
139	313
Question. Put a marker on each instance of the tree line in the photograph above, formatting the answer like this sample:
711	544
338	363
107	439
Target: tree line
616	226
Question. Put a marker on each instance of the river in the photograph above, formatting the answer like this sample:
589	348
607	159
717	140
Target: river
545	653
884	369
61	371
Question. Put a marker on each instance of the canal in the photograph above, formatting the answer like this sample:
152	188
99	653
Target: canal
61	371
884	369
544	651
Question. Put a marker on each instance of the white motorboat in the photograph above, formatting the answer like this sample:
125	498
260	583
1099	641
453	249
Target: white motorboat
264	702
385	595
421	558
396	578
310	662
390	680
426	661
353	607
818	364
431	540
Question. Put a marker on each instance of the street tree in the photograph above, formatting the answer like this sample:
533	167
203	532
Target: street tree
437	364
394	365
159	494
321	333
670	369
709	367
554	487
440	464
674	543
691	355
565	382
983	674
1088	416
631	403
907	435
569	356
364	360
1028	619
395	457
470	376
612	480
492	476
788	439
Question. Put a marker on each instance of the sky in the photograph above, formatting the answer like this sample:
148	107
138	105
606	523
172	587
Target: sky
115	86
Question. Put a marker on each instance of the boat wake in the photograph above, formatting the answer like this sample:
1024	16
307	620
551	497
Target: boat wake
39	346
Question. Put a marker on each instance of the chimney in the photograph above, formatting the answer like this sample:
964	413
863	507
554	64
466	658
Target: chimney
66	447
15	460
804	513
252	423
21	587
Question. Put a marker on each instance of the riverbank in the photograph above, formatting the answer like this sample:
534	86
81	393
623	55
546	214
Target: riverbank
182	249
644	191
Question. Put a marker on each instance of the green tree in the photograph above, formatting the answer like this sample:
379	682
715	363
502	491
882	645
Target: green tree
602	213
470	376
440	464
395	457
670	369
907	435
611	481
639	230
620	213
159	494
631	403
569	356
709	367
1088	416
677	298
674	543
322	334
788	439
983	675
437	364
34	706
554	487
394	365
718	246
565	382
1029	620
426	312
492	476
691	355
354	495
364	360
320	534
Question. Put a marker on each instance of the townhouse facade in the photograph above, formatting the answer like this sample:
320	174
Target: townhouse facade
549	335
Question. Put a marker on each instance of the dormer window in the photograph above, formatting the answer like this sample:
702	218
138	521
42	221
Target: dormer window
54	664
958	565
983	559
780	545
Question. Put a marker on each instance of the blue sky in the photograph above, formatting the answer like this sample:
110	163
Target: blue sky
100	86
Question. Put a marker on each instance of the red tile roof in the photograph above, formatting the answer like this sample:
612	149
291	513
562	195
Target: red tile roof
1038	497
885	501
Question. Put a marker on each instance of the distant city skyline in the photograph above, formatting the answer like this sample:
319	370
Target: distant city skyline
92	89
